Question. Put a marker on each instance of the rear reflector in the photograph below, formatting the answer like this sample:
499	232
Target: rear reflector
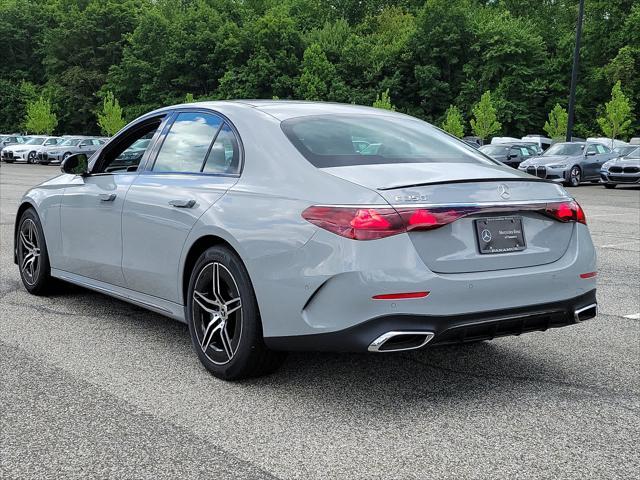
588	275
374	222
400	296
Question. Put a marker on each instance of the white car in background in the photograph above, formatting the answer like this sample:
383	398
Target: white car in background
26	152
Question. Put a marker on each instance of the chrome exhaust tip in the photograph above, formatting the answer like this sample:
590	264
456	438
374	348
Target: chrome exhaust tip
400	341
585	313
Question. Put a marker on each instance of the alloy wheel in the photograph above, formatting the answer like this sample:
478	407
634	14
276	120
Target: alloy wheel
217	313
31	158
29	251
574	176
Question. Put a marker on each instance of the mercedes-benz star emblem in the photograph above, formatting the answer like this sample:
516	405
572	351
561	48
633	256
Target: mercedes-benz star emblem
486	236
504	191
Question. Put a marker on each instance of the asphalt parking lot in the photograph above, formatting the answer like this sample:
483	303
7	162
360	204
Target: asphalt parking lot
93	387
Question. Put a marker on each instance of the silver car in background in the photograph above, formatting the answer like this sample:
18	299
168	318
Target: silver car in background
7	140
70	145
264	227
622	170
512	154
28	151
570	163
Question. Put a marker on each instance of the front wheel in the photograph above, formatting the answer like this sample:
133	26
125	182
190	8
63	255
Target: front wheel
32	256
575	177
31	158
224	320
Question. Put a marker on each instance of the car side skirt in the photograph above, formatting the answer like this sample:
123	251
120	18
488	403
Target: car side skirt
155	304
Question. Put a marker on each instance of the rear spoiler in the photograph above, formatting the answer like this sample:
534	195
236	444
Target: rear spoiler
468	180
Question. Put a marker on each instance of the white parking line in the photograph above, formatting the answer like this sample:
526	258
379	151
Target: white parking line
613	245
607	214
635	316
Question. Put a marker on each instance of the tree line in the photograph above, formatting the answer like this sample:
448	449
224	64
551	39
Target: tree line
473	67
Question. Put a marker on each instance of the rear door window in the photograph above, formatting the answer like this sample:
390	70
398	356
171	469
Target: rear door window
224	157
187	143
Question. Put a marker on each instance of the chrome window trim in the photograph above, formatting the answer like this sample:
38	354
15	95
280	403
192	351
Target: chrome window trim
165	130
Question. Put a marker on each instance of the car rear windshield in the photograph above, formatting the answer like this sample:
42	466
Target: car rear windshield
345	140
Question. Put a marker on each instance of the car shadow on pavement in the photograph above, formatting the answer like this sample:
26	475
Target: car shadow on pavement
337	380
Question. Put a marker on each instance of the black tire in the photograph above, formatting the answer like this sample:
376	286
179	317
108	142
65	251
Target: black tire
31	157
37	280
575	177
610	185
243	354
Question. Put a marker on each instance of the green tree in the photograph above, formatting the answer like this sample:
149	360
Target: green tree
110	119
453	122
317	76
40	119
484	122
188	98
384	101
431	68
85	39
617	116
507	57
556	125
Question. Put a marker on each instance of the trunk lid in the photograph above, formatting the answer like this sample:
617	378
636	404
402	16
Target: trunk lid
497	191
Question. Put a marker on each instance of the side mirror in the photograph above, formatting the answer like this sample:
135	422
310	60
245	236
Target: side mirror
77	164
590	153
513	155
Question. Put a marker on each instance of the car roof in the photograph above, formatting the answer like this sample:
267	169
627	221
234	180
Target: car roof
510	144
283	109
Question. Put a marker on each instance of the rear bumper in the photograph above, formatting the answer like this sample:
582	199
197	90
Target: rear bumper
447	329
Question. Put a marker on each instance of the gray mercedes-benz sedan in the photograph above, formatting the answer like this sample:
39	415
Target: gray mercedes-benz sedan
270	226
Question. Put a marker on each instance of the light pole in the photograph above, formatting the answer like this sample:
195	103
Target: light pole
574	72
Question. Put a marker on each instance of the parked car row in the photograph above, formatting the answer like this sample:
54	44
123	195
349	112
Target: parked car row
571	163
46	149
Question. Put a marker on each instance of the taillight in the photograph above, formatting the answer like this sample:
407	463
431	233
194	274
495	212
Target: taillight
370	223
566	212
432	218
356	223
379	222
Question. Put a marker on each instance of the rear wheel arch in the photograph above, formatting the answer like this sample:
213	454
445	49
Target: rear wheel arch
196	249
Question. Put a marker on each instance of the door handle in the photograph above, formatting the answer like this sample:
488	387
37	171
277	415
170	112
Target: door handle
182	203
107	197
